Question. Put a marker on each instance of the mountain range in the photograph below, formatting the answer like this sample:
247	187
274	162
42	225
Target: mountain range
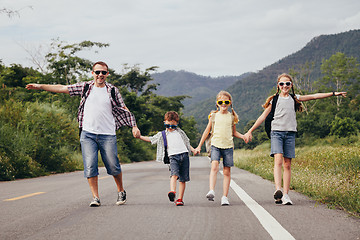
250	90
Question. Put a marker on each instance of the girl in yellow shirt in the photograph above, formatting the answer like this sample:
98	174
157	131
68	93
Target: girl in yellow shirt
222	124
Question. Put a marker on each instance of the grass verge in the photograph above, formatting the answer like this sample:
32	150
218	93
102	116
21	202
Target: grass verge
326	173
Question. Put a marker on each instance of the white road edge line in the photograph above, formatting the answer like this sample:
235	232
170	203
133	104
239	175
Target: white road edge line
270	224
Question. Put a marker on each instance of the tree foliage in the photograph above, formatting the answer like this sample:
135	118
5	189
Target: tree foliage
63	63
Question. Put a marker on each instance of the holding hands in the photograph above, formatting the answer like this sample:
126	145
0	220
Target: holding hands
197	150
194	151
136	132
247	137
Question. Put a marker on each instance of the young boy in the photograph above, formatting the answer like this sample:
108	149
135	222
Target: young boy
178	147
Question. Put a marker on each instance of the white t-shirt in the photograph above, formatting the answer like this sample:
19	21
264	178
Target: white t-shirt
98	117
284	116
175	143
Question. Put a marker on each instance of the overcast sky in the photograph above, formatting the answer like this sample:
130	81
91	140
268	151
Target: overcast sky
207	37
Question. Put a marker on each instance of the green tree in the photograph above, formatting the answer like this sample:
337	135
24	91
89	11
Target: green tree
15	75
65	66
134	79
339	73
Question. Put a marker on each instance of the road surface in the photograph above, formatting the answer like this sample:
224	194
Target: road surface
56	207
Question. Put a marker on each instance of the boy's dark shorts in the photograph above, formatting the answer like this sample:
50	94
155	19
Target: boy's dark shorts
179	165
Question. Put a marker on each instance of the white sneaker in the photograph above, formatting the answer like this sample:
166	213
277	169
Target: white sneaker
286	200
224	201
210	195
95	202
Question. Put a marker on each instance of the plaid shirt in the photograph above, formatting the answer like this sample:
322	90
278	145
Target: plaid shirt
122	116
160	148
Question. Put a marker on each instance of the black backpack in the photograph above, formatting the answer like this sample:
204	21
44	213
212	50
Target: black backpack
270	116
166	156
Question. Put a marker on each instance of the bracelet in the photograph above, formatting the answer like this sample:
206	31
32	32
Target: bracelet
334	93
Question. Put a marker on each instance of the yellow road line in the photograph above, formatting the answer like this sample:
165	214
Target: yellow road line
24	196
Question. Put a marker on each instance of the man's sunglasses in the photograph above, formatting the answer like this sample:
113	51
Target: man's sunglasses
170	126
103	72
282	83
227	102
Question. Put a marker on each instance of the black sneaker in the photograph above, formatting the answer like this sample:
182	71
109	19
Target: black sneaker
95	202
277	196
171	196
121	198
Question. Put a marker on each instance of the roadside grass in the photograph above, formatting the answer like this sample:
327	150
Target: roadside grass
328	173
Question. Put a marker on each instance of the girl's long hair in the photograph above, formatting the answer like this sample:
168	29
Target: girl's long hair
298	103
227	94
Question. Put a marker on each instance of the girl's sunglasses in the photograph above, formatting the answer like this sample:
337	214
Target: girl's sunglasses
226	102
170	126
103	72
282	83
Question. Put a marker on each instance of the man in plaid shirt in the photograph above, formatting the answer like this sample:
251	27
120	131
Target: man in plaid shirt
101	112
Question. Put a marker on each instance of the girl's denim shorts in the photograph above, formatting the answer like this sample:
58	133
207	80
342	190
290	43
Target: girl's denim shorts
226	154
283	142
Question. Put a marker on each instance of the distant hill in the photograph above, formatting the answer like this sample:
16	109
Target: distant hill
249	93
199	88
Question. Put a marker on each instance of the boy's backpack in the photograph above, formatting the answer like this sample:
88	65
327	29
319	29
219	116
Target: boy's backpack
83	95
166	156
208	139
270	116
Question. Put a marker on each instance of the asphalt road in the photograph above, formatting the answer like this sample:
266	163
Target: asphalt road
56	207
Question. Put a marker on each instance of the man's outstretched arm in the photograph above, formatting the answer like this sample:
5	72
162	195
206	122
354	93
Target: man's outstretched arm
48	87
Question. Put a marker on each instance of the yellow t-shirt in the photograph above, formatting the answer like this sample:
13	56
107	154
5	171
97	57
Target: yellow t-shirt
223	131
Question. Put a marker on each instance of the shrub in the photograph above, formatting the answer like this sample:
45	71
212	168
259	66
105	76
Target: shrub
36	139
343	127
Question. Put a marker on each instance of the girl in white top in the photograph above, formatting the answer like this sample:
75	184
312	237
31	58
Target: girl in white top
222	144
283	131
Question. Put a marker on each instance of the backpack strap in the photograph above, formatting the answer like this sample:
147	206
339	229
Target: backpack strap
273	104
164	138
114	96
83	95
166	157
270	116
212	118
85	89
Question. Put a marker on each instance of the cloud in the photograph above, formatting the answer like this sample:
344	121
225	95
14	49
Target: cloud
208	37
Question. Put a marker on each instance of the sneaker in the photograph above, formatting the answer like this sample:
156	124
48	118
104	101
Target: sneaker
95	202
224	201
210	195
277	196
179	202
286	200
121	198
171	196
